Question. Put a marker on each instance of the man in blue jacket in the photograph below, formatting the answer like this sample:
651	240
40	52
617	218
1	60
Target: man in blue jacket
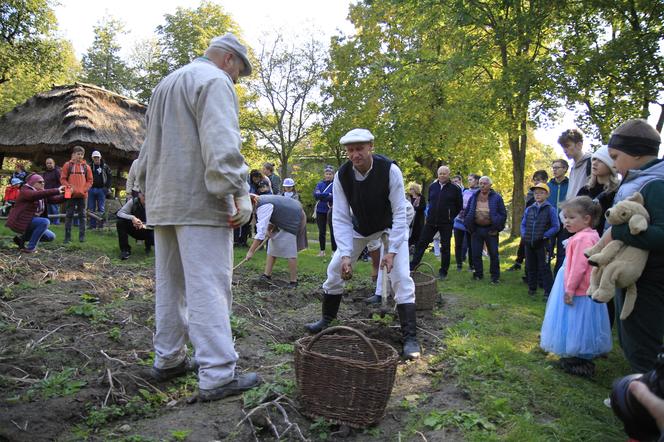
485	219
445	203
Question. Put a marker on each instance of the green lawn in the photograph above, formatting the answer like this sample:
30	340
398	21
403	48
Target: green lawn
491	350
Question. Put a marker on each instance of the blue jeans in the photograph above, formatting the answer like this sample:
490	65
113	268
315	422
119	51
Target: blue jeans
478	239
96	203
54	209
38	231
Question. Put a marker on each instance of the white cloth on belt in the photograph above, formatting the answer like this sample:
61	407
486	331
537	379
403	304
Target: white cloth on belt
282	245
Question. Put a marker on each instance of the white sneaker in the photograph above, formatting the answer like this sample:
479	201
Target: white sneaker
607	402
321	253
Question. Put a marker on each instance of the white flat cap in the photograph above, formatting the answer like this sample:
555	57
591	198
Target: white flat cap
229	42
96	153
357	136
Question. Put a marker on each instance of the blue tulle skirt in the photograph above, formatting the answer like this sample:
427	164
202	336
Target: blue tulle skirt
581	330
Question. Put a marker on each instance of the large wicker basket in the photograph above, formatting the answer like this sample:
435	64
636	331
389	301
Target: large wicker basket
426	290
346	379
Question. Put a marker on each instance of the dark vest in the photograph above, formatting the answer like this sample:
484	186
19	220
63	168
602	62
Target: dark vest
369	199
538	221
286	212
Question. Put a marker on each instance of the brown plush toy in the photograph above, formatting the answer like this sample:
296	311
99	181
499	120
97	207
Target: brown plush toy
617	264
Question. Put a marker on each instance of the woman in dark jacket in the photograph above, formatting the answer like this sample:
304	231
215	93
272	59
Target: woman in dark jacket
28	217
419	204
603	182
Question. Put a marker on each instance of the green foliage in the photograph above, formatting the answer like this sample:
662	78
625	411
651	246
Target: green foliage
88	308
238	326
282	348
180	435
464	420
321	428
385	320
32	57
267	391
102	64
56	385
115	334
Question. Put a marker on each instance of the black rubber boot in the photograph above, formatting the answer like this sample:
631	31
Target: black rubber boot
330	309
408	319
375	299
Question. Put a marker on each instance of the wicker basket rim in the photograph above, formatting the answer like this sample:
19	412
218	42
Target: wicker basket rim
391	358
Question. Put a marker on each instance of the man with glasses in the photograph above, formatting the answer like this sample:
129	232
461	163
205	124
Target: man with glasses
558	185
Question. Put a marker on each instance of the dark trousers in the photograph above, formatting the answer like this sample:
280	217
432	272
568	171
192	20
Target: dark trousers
537	266
126	229
75	205
428	232
521	252
478	239
462	247
241	234
324	220
561	236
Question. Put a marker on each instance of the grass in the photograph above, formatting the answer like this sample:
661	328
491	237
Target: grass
492	351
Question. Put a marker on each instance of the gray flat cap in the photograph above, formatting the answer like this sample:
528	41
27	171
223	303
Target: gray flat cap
229	42
357	136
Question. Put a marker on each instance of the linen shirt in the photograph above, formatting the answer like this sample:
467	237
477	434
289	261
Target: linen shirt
190	166
342	219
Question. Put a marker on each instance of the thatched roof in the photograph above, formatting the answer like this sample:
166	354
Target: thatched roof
51	123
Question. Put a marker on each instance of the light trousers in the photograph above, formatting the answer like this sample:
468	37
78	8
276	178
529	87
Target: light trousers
194	270
402	284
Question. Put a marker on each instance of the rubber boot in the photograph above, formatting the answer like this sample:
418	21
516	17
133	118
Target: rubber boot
408	320
330	309
375	299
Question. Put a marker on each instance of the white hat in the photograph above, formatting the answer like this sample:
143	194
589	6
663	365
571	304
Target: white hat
229	42
602	154
357	136
288	182
96	154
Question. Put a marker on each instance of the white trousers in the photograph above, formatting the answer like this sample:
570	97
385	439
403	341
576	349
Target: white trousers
193	297
399	278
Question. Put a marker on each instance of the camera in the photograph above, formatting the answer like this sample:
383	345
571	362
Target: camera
639	424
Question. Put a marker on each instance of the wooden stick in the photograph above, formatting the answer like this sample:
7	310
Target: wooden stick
245	258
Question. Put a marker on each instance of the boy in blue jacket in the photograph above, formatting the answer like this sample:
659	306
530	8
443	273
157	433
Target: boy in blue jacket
539	225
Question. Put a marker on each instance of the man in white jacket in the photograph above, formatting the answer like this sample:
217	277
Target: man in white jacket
192	164
369	200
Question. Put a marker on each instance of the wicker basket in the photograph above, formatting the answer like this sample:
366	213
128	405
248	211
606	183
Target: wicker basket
346	379
426	291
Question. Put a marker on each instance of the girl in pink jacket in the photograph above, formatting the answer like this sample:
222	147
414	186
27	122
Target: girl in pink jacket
575	327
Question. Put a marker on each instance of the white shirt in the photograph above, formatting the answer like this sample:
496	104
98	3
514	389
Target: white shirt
263	215
341	213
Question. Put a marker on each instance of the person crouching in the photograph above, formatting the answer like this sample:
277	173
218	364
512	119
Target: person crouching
131	222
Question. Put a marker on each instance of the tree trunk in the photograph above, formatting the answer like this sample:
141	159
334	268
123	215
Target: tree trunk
518	143
660	123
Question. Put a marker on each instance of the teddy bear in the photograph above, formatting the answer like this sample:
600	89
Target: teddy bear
618	265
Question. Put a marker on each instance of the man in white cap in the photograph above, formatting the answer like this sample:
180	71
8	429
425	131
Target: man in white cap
192	164
101	188
372	187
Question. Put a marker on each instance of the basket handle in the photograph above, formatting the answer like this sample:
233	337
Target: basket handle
426	264
344	328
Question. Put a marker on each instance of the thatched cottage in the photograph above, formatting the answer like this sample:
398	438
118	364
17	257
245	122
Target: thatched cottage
50	123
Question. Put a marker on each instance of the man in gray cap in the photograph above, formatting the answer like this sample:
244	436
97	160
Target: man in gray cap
371	186
191	162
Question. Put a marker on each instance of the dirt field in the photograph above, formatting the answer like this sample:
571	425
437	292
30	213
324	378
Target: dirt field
75	339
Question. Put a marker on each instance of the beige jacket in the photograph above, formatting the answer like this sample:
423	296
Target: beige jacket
190	166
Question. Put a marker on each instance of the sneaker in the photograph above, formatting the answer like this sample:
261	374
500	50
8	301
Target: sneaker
265	277
20	242
516	266
459	268
375	299
26	250
607	402
166	374
442	276
495	281
239	384
66	241
292	284
476	277
125	254
321	253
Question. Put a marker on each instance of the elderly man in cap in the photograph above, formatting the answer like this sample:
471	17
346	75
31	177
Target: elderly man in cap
101	188
197	177
369	200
